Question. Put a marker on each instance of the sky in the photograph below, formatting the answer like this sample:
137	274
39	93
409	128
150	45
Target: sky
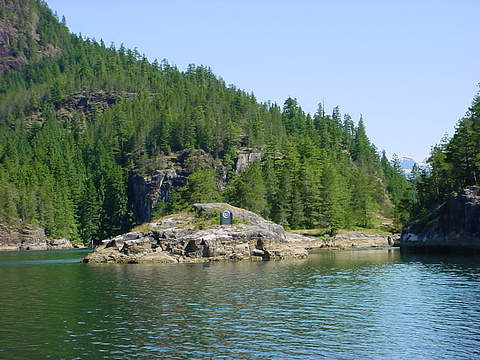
411	68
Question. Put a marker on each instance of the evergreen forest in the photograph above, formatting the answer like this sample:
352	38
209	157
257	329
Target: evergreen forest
65	165
454	165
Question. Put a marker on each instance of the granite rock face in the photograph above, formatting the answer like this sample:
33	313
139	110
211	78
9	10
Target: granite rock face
245	157
149	190
181	238
453	225
171	173
20	42
244	216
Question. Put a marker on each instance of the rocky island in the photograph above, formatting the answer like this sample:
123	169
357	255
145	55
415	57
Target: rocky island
196	237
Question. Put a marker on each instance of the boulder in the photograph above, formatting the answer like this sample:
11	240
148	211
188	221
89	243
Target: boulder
269	228
60	244
155	257
454	224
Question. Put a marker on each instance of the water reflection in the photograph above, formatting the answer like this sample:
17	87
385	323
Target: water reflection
336	304
466	264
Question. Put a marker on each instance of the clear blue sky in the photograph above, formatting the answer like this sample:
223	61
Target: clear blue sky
410	67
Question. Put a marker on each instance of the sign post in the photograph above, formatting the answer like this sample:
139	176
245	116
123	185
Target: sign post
226	217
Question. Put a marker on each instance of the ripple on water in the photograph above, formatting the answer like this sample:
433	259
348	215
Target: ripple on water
352	304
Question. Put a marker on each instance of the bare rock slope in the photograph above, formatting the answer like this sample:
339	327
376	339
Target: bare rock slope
195	237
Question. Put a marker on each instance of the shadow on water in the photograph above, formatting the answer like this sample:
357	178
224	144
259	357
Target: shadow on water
440	256
461	263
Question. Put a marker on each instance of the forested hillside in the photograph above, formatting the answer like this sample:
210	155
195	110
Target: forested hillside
79	120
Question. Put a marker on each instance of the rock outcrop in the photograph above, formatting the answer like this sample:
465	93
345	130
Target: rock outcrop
172	172
19	41
60	244
453	225
353	240
245	157
78	104
193	238
274	231
149	190
22	236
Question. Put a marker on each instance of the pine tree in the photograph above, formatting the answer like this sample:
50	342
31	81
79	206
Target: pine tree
248	191
201	187
362	201
331	209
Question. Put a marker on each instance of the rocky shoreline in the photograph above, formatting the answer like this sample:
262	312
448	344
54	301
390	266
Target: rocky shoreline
21	236
344	242
452	226
196	237
57	244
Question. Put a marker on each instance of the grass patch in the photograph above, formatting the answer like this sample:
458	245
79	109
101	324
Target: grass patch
206	223
311	232
368	231
143	228
238	221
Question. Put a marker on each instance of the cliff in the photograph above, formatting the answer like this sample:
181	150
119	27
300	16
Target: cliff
245	157
455	224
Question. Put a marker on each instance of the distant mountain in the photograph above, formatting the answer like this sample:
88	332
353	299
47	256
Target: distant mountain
406	164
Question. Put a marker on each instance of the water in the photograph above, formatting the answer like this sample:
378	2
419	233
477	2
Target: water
375	304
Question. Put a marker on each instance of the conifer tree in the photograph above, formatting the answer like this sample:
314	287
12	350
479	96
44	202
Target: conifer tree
201	187
248	191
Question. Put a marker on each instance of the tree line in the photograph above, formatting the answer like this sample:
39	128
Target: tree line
454	165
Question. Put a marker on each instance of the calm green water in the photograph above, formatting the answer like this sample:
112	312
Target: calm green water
375	304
